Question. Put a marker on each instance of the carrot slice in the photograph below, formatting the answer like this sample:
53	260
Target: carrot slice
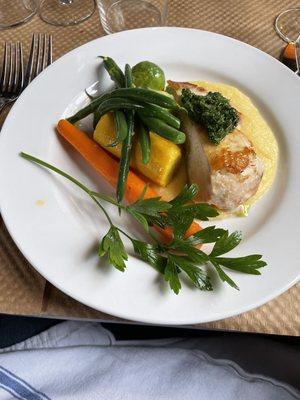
108	168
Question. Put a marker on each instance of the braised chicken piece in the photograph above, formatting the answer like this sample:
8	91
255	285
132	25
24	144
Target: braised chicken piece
228	173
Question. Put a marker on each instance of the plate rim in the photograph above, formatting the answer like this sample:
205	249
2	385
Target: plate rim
238	311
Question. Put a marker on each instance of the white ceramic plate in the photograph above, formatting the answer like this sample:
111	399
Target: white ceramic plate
59	238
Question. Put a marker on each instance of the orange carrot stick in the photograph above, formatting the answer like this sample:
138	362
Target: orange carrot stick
108	167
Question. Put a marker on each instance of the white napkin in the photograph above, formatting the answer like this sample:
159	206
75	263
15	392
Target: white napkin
78	360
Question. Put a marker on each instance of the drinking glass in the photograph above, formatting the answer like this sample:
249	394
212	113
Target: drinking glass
287	24
66	12
119	15
16	12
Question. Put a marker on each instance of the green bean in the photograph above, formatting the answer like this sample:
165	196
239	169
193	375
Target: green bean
89	109
154	111
138	94
128	76
145	143
116	75
164	130
96	117
121	128
114	71
127	144
146	95
125	157
116	104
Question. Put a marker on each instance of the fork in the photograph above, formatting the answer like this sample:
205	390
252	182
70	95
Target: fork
13	80
40	56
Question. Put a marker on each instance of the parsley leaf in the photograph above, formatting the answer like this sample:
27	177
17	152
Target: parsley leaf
196	274
226	243
207	235
112	246
223	276
248	264
140	218
171	275
150	211
150	253
160	220
152	206
194	254
187	194
180	221
200	211
180	217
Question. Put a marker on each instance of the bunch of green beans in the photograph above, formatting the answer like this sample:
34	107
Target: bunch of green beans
150	110
127	143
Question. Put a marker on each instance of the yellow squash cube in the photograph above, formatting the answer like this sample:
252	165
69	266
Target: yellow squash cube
165	155
164	160
105	134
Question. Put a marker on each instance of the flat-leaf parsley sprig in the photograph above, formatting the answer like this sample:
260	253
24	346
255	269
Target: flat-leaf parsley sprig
180	257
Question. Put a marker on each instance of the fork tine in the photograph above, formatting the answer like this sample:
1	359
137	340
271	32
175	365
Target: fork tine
16	67
4	68
49	59
11	68
18	84
44	53
13	80
39	55
47	54
31	61
21	80
7	70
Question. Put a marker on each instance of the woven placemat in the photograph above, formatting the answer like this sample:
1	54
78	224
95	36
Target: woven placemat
22	290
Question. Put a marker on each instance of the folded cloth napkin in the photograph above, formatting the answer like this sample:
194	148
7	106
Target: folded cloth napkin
78	360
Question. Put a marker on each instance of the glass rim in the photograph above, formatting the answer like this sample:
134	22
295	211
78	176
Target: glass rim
22	21
277	29
65	23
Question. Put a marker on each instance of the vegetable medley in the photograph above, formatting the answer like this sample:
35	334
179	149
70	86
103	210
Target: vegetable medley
139	123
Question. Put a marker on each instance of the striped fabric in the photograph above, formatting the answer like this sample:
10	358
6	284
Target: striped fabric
18	388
